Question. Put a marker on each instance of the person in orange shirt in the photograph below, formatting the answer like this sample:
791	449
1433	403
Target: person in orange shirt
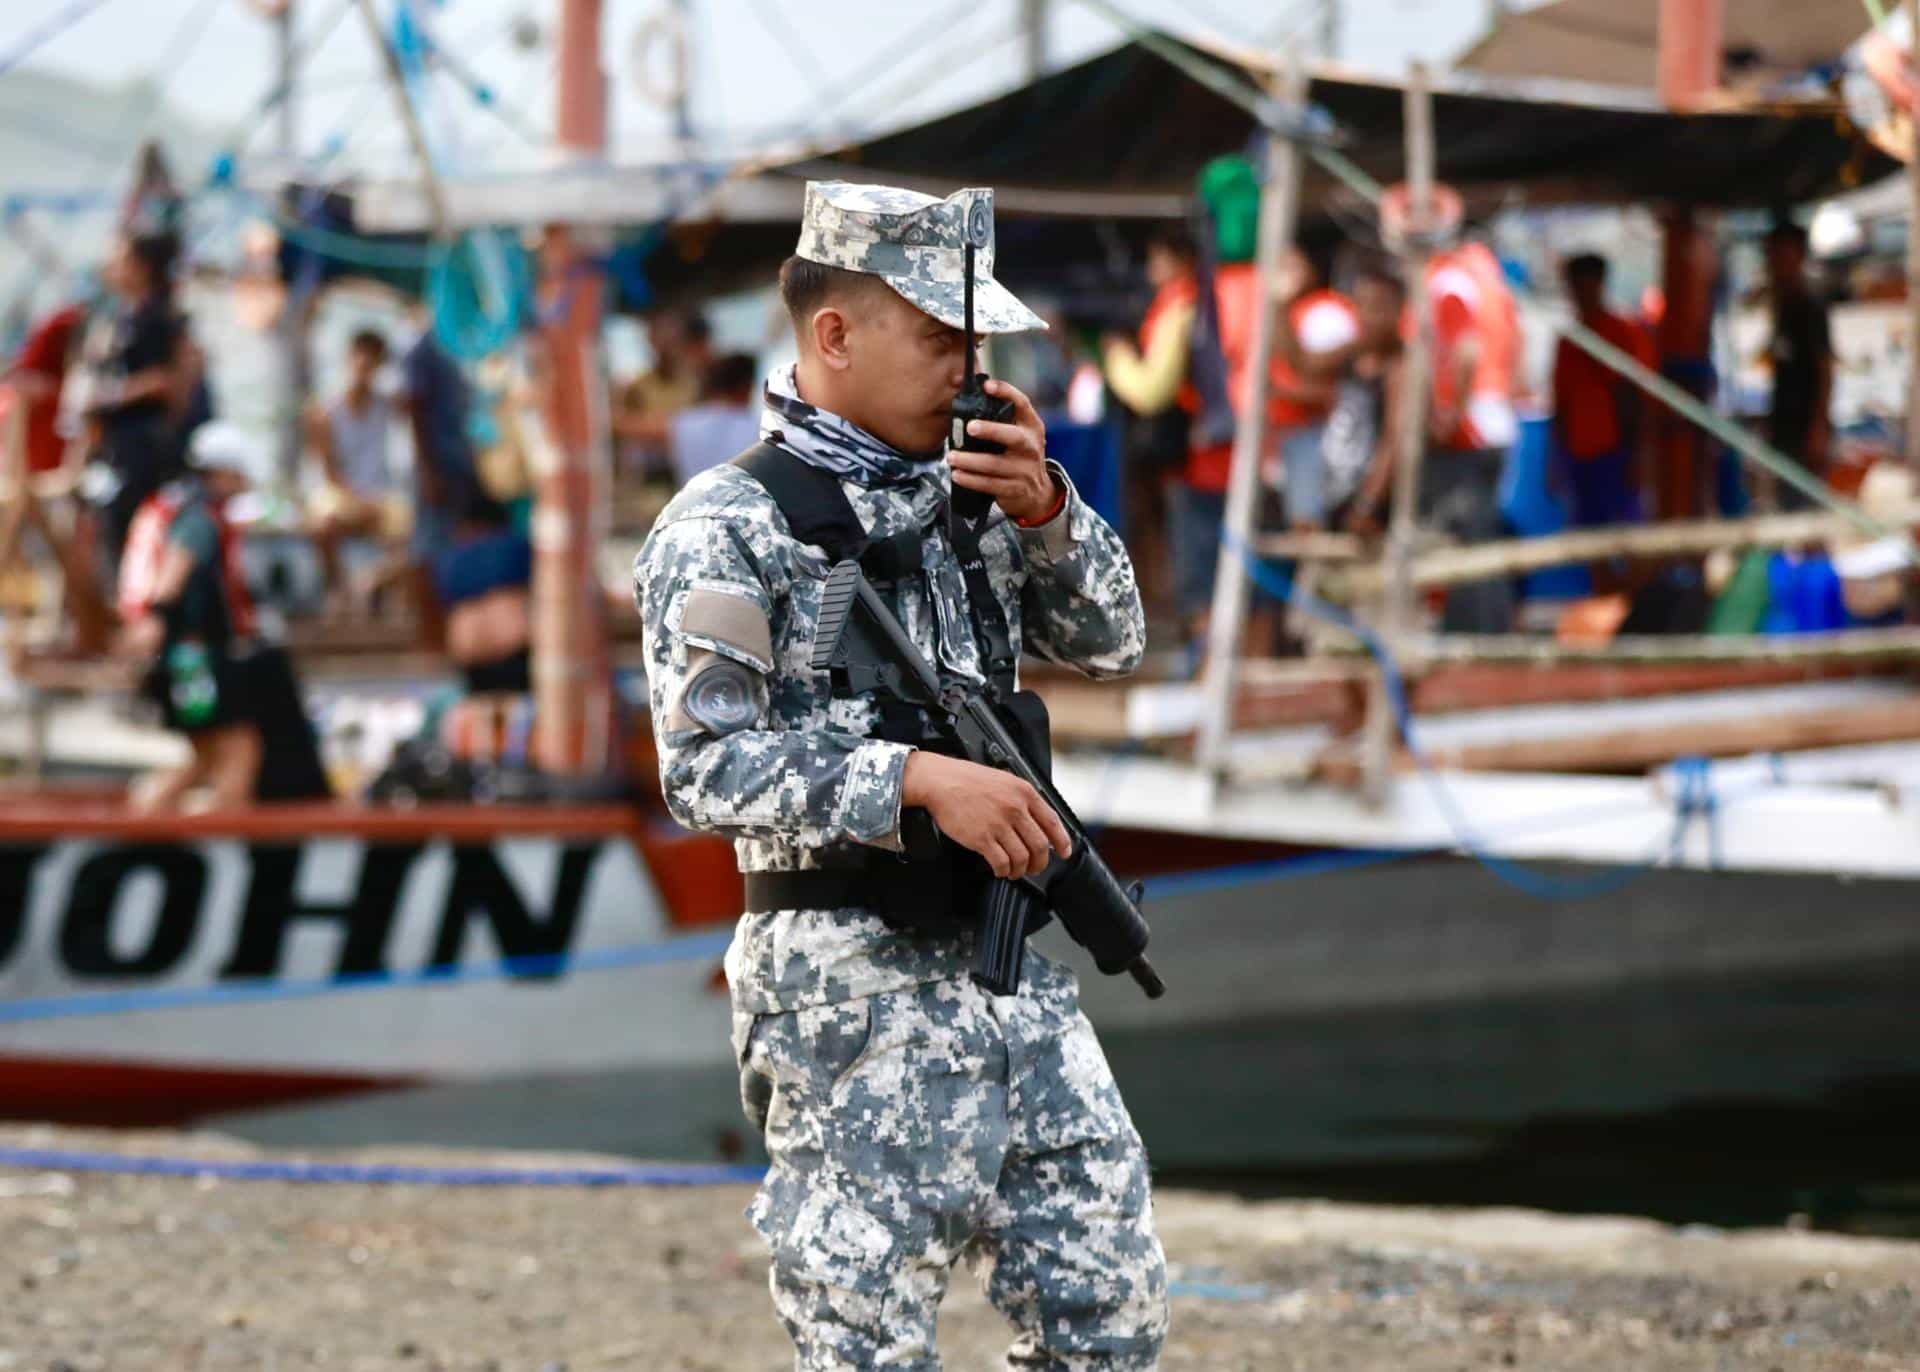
1476	330
1596	412
1154	380
1148	377
1472	423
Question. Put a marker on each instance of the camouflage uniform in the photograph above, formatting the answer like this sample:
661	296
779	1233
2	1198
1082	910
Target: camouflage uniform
911	1118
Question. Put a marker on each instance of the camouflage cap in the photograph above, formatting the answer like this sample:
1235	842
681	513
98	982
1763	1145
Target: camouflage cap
917	245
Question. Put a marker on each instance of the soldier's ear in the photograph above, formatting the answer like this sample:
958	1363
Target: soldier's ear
828	327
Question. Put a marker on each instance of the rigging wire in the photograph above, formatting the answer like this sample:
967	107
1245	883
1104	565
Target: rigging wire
924	77
796	45
484	95
898	51
240	134
133	121
1350	174
47	32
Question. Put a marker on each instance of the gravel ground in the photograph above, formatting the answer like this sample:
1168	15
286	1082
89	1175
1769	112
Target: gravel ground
110	1272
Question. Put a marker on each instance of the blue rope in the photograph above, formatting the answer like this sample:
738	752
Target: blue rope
61	21
690	948
1540	885
695	947
376	1174
1697	799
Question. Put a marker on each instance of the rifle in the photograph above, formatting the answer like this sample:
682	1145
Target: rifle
861	642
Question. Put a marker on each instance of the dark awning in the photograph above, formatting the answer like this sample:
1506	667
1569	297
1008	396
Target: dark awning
1127	121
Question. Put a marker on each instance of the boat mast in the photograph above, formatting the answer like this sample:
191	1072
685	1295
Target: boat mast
1033	23
572	669
1688	70
296	362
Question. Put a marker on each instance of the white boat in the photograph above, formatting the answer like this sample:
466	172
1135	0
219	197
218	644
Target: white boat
1348	985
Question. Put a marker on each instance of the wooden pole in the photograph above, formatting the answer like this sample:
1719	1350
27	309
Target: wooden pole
1034	27
1279	213
1411	445
572	678
1690	41
1692	33
410	121
296	362
1448	566
1842	645
1686	339
1639	749
1913	255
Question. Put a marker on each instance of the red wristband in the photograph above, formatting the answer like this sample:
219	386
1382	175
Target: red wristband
1053	511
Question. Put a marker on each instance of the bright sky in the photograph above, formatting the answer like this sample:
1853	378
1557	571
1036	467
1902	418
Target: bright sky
759	65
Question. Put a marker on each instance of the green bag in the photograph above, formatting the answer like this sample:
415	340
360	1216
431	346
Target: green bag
1743	604
1231	191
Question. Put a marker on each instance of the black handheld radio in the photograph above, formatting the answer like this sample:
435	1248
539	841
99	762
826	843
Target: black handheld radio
973	402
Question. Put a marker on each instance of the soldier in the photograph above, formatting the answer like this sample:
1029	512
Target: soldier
911	1118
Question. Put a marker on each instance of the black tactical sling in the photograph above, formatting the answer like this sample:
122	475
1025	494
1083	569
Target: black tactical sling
818	512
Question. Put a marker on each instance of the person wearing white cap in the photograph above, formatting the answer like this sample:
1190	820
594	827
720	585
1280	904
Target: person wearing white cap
189	617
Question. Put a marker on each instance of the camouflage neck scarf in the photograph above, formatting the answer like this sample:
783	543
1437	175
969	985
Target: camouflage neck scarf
834	444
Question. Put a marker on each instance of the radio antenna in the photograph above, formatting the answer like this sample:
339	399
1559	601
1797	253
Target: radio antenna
973	358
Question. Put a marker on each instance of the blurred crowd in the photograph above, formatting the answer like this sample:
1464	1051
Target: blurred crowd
414	490
118	462
1336	397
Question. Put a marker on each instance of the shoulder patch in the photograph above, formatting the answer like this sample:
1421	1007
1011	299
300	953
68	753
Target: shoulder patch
730	622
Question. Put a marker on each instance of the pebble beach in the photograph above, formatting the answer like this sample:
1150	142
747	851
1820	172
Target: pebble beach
101	1271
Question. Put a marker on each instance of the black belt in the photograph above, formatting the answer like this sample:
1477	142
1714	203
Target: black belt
832	888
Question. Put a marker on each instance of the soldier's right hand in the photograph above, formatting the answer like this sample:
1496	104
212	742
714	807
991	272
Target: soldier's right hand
990	812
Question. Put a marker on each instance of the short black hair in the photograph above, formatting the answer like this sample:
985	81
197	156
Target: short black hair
1586	266
692	324
157	253
1382	273
806	285
368	341
1319	259
1174	236
730	374
1787	232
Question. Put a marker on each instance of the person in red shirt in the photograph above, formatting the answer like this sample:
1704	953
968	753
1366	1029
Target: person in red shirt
36	380
1476	335
42	464
1596	411
1472	423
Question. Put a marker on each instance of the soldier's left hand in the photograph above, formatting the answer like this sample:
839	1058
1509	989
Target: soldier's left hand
1018	479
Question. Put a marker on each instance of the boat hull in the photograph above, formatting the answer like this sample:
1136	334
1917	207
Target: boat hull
1410	1012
